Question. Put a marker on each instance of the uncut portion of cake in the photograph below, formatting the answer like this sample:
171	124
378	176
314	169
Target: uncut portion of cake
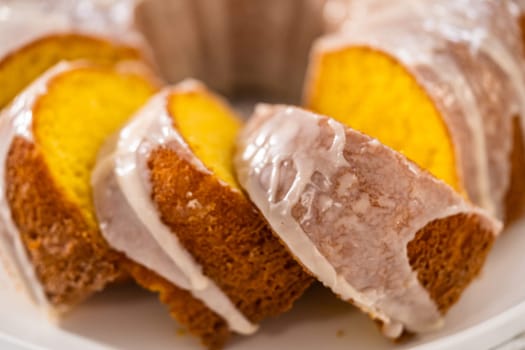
448	76
368	223
167	198
50	242
35	35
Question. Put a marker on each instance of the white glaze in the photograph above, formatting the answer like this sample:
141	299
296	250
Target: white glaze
418	34
280	137
124	206
15	120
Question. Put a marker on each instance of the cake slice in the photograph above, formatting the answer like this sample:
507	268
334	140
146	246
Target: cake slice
368	223
167	198
49	139
399	73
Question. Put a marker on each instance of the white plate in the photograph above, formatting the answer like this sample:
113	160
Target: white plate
491	311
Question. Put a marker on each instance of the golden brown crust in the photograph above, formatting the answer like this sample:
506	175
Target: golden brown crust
448	254
71	259
227	236
187	310
515	198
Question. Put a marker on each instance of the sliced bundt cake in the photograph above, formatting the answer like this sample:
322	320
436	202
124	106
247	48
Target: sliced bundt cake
441	98
49	139
167	198
368	223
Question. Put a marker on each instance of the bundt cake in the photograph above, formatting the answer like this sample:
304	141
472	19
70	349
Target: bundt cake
433	83
166	197
443	89
371	225
49	139
34	36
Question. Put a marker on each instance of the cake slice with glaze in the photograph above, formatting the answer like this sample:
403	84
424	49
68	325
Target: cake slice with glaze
413	75
368	223
50	135
167	198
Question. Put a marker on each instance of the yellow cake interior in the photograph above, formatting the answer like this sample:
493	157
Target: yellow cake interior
81	108
23	66
209	127
371	92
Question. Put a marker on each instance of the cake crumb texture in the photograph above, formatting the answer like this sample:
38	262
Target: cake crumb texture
448	254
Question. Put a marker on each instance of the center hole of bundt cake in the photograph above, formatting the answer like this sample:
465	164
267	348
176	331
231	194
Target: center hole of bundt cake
248	50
